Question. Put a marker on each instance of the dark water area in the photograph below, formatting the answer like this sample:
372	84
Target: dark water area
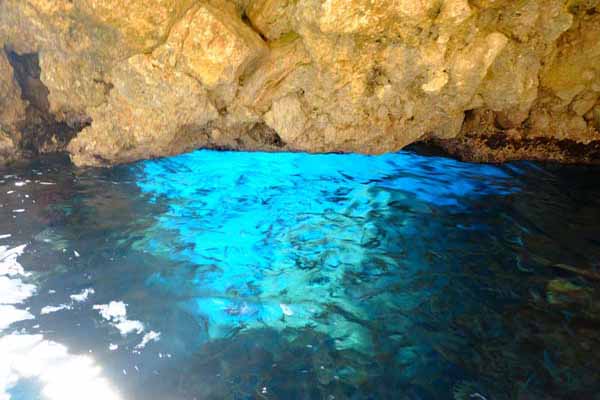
217	275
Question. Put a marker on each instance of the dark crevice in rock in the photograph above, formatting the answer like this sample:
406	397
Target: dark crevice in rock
259	137
27	74
248	22
41	132
266	135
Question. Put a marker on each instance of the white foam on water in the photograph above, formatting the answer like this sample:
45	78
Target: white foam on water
20	183
112	310
116	313
78	298
125	327
13	290
20	210
83	295
8	261
148	337
53	309
5	236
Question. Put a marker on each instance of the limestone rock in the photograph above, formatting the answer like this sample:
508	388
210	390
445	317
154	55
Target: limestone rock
287	118
12	108
488	80
471	65
12	111
151	111
8	149
72	95
287	68
216	47
271	17
140	25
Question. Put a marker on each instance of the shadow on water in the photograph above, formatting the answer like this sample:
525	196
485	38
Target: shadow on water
292	276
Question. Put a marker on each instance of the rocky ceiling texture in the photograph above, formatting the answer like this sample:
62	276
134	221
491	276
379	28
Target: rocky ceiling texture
114	81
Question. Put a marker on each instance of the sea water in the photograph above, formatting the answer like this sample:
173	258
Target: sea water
221	275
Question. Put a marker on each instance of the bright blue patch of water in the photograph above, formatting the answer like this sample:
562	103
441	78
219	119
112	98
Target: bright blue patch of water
273	238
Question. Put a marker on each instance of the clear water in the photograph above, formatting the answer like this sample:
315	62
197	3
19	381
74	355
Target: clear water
291	276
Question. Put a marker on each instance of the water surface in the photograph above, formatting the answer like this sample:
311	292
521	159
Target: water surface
291	276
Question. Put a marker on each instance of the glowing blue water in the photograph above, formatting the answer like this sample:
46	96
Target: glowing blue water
295	276
277	239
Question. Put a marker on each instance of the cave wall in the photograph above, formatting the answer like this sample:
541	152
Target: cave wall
489	80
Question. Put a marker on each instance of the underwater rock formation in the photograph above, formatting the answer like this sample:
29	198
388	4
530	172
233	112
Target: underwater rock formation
488	80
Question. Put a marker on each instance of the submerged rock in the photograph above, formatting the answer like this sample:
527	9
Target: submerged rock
487	80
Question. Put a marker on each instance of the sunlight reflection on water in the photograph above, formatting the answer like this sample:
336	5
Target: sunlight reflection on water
62	376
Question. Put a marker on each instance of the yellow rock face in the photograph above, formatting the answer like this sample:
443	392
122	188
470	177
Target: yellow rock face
12	108
157	77
142	25
12	111
287	118
374	18
151	111
213	45
575	66
271	17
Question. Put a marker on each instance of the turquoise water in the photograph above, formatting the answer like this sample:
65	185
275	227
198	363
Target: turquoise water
217	275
